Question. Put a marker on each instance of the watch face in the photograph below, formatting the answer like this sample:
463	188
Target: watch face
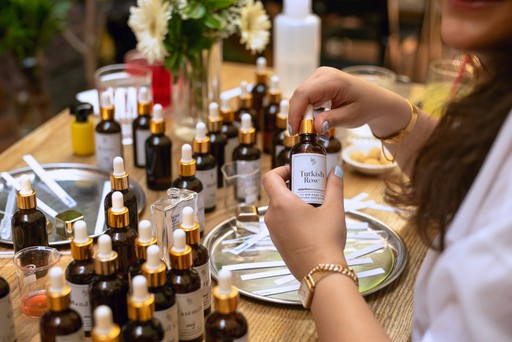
304	294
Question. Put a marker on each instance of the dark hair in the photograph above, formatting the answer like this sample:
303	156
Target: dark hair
448	163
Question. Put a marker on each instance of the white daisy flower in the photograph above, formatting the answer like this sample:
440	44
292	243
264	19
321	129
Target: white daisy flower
254	26
148	22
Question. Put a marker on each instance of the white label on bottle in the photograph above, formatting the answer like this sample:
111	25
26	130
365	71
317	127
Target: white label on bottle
80	303
77	336
244	338
141	136
7	331
169	319
230	146
209	180
190	315
200	211
248	188
206	284
333	159
308	177
108	146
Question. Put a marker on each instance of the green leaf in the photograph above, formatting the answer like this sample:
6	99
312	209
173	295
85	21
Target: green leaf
219	4
195	10
213	22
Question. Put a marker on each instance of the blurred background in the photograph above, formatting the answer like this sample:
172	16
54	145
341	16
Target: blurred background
402	35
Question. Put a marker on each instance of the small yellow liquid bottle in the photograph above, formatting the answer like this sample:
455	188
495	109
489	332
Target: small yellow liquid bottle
82	130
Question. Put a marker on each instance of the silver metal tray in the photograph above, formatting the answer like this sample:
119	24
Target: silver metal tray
82	182
392	259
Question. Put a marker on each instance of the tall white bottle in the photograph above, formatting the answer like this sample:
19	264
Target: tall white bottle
296	44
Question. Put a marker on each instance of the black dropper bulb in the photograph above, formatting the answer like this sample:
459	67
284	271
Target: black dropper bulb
81	111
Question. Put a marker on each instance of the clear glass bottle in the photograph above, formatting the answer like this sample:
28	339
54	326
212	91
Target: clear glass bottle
226	323
60	321
123	236
308	163
142	242
107	287
283	157
79	274
158	153
200	257
230	130
28	223
105	330
186	284
166	308
108	134
260	89
333	150
187	180
245	106
278	135
140	127
206	164
270	112
7	329
141	325
119	181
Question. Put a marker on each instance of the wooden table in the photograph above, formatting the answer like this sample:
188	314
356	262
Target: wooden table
51	143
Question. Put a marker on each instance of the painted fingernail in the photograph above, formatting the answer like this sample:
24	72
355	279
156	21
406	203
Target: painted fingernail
325	127
338	171
290	130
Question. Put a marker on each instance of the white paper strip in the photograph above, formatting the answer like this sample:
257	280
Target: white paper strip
100	218
364	251
247	244
254	265
284	280
364	236
352	225
277	290
267	274
369	273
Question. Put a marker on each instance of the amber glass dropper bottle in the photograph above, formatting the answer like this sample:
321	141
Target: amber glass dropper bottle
200	257
245	105
270	111
141	325
60	321
260	89
333	150
7	328
105	330
226	323
158	153
122	235
140	127
186	284
28	223
142	242
79	274
231	131
283	158
107	287
218	140
307	163
278	135
109	142
206	166
119	181
166	308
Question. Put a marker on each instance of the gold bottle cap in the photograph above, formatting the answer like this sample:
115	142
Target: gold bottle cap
119	177
157	122
201	142
107	109
246	133
187	164
226	112
105	330
281	120
58	292
154	269
180	254
190	226
307	124
82	245
332	132
26	196
274	93
118	215
245	98
141	304
290	141
261	70
214	118
144	102
144	240
225	295
105	260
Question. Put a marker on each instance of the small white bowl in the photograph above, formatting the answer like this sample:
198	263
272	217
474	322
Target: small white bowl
368	169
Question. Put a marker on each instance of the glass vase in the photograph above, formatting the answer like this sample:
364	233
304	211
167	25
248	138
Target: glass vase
196	85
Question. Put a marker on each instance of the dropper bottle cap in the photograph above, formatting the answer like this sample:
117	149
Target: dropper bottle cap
105	330
245	95
290	140
261	70
227	113
118	213
307	124
201	142
82	244
187	164
154	269
144	239
81	111
107	108
157	122
225	295
274	93
144	102
180	254
246	133
141	304
282	116
297	9
58	292
119	177
26	197
214	118
105	260
190	226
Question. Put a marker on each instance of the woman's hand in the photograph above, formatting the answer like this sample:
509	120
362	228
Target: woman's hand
304	235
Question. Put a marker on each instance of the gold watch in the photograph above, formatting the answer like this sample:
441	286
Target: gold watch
308	283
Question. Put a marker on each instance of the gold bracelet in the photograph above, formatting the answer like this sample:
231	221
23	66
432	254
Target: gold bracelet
397	138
